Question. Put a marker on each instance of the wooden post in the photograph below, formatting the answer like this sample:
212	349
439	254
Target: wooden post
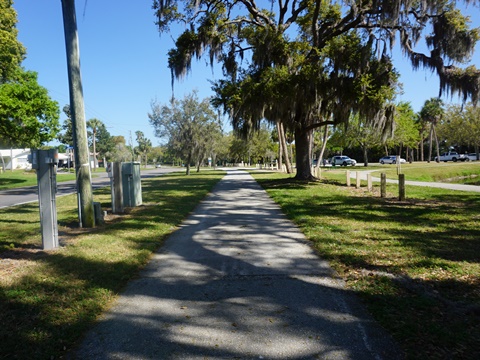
383	185
357	185
401	187
348	177
369	182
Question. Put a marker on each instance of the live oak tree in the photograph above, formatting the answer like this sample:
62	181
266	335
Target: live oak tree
187	124
461	126
314	62
363	134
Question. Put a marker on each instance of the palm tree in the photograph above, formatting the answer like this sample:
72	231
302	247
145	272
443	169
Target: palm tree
94	124
432	112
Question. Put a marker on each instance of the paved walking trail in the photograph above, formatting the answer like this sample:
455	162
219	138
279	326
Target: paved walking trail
237	281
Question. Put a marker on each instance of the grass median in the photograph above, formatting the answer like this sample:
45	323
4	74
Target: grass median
459	172
415	264
22	178
48	299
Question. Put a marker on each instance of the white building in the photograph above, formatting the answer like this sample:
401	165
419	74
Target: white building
14	159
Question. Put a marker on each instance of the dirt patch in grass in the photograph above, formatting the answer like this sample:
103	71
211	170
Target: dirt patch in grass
18	258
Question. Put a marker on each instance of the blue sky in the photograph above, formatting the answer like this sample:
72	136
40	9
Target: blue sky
124	62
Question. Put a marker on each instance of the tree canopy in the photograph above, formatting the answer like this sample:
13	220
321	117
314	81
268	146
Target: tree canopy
66	136
28	117
12	51
144	146
314	62
190	126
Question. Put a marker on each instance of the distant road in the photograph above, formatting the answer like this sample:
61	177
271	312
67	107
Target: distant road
29	194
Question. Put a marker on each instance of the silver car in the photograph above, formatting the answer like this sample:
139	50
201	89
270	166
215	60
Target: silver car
392	159
471	157
342	160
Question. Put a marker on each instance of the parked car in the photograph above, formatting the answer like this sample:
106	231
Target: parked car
342	160
450	156
158	166
324	162
471	157
391	159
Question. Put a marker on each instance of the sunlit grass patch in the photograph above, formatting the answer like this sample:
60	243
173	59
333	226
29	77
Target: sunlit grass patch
415	263
49	298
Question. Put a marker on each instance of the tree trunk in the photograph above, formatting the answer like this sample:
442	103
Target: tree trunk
280	146
436	142
187	164
94	152
365	156
302	144
324	146
214	161
283	139
80	143
422	145
430	143
199	162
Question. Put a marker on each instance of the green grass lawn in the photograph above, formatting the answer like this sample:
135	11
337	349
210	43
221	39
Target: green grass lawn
20	178
48	299
433	171
416	264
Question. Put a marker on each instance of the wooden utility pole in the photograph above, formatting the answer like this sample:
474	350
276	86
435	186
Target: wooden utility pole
82	158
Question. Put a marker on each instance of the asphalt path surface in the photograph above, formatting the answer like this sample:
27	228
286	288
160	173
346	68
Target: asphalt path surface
29	194
237	281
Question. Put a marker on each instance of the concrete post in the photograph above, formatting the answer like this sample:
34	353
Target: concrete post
357	185
369	182
348	177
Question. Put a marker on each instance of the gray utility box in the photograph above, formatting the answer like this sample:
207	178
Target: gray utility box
132	187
